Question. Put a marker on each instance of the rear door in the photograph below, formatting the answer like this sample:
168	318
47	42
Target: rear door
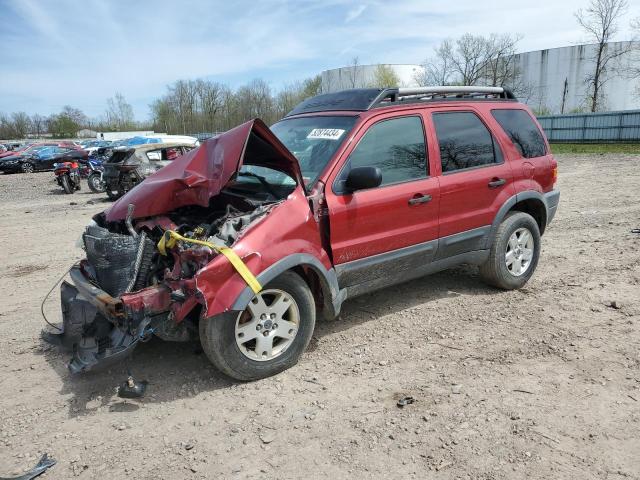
475	179
383	232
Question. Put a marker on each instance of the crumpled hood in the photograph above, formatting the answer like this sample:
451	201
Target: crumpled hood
195	177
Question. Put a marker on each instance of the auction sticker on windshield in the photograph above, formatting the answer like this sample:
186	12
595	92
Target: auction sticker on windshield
325	134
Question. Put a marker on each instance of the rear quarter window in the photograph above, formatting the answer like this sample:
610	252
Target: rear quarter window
522	131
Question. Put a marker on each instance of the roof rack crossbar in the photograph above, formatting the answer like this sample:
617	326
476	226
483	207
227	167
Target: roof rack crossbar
450	89
389	95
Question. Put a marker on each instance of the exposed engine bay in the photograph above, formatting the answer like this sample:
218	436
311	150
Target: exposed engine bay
158	293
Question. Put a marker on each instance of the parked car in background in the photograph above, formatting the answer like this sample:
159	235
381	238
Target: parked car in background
159	138
31	146
128	166
39	159
94	147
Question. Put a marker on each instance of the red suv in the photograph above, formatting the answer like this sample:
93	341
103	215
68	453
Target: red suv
244	240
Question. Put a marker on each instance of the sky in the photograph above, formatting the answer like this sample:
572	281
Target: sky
81	52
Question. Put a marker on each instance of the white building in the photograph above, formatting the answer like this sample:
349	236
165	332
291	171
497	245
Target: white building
364	76
556	78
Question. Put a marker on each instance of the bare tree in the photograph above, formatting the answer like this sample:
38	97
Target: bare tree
21	124
38	123
500	67
471	55
119	114
438	69
474	60
354	72
600	21
633	68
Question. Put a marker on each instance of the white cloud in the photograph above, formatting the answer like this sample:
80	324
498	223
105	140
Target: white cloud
355	13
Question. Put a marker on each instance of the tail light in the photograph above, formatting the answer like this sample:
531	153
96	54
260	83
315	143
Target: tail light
554	175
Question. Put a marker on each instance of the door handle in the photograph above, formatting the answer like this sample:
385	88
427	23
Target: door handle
418	199
497	182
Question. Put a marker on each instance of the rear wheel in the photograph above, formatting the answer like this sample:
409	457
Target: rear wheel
28	167
96	185
514	253
66	184
266	338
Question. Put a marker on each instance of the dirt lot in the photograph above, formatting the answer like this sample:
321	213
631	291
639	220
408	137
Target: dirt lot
538	383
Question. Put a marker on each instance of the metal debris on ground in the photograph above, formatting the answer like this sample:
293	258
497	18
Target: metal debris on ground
405	401
132	389
44	463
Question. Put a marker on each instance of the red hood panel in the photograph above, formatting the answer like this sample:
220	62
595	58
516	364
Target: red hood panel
195	177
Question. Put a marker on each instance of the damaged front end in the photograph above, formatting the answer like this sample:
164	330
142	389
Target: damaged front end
126	290
133	284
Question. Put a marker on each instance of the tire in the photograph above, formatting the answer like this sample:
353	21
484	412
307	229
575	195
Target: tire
497	271
218	334
95	184
28	167
66	184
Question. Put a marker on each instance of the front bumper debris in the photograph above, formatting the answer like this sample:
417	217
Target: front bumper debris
99	329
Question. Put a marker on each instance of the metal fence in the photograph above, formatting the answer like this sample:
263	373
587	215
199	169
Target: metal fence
609	127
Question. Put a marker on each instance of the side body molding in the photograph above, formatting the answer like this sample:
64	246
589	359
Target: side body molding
333	296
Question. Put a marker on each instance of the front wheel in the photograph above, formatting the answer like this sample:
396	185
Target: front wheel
96	185
514	253
266	338
66	184
28	167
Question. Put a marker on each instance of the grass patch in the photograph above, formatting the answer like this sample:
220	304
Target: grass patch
595	148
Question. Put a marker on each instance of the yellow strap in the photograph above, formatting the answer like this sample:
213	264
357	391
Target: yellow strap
170	238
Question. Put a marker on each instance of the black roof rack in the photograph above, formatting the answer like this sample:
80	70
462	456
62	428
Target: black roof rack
363	99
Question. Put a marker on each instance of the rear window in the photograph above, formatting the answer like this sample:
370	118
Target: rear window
522	131
119	156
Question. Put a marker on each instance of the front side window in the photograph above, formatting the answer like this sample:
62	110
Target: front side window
464	141
522	131
313	141
395	146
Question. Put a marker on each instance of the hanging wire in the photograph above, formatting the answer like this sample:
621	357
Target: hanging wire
47	296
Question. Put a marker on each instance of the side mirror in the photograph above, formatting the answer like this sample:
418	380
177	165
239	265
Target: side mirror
361	178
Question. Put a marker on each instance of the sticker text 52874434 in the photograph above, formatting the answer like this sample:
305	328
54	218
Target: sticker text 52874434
325	134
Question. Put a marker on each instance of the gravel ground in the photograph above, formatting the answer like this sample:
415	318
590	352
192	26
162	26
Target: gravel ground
543	382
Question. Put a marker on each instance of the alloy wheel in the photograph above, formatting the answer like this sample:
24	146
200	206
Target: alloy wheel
268	326
519	252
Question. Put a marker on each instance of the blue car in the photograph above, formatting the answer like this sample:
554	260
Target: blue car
40	158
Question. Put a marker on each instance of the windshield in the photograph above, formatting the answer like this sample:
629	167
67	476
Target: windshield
313	141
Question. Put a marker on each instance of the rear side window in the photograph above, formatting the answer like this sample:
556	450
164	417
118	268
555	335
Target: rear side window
396	147
464	141
524	134
119	156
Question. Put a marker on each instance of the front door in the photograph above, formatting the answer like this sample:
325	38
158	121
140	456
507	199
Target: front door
384	232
